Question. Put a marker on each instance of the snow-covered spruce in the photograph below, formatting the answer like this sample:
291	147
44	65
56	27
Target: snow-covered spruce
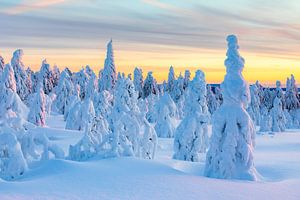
292	102
81	78
187	76
103	103
72	100
230	155
167	116
138	81
191	136
10	102
2	64
22	82
80	115
171	81
266	120
254	109
150	86
278	117
212	102
12	161
108	75
45	77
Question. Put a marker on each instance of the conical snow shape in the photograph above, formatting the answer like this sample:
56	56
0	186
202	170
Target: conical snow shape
230	155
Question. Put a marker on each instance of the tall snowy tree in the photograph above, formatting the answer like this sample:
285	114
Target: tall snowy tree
212	102
138	81
82	78
191	136
187	76
23	87
171	80
150	85
37	114
230	155
108	75
291	100
55	75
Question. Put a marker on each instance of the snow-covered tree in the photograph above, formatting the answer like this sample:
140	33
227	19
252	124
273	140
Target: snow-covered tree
171	80
187	76
266	120
150	86
167	116
91	88
10	102
254	109
230	155
23	86
291	101
63	91
212	102
72	100
55	75
278	117
268	97
37	114
279	93
218	95
103	103
82	78
80	115
138	81
46	77
2	64
108	75
191	136
12	161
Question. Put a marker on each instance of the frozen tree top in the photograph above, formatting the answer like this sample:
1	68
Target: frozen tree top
17	55
234	62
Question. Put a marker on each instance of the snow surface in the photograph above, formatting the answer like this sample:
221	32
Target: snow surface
277	159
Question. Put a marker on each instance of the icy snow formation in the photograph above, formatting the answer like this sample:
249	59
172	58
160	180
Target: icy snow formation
230	155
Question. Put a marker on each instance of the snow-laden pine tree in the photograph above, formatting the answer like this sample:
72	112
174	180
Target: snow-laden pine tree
82	78
230	155
187	76
292	102
138	81
123	121
218	95
72	100
23	86
254	106
90	72
108	75
178	95
212	102
12	161
37	114
268	97
46	77
103	103
167	116
150	86
191	136
266	120
10	102
171	81
151	115
2	64
279	93
63	91
278	117
55	75
80	115
91	88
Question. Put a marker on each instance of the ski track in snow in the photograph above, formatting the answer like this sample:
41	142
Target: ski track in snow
277	159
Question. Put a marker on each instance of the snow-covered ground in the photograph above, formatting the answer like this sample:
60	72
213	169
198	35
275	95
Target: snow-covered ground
277	159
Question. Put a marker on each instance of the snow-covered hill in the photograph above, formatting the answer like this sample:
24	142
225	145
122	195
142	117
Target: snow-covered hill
277	159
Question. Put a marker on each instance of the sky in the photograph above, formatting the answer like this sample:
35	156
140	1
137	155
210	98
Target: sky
155	34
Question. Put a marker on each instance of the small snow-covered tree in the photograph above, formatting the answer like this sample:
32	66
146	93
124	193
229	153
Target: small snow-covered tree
103	103
291	101
279	93
278	117
108	75
80	115
167	116
46	77
266	120
218	95
82	78
191	136
91	88
72	100
23	87
10	102
268	97
63	91
12	161
150	86
138	81
55	75
187	76
212	102
253	108
171	80
230	155
2	64
37	114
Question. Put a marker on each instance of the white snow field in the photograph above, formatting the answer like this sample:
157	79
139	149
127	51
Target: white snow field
277	159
